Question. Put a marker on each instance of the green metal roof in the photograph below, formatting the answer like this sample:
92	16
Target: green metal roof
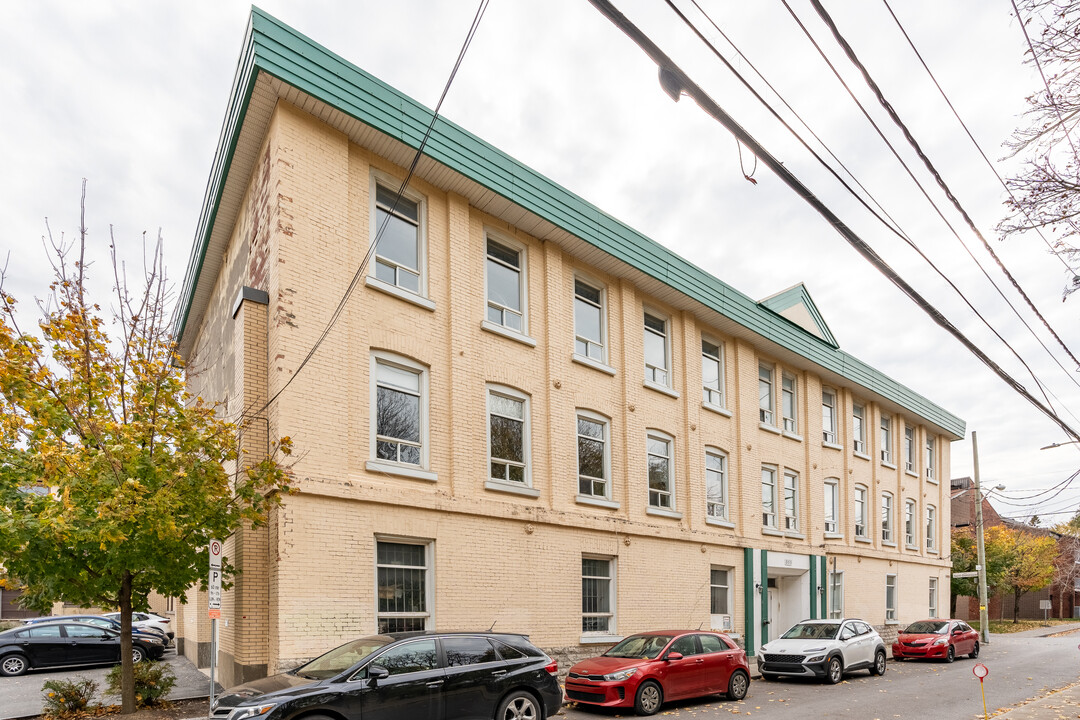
275	48
799	295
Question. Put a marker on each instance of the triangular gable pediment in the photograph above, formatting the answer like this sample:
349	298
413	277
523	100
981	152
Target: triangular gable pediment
796	305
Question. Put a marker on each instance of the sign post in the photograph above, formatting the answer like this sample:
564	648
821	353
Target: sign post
981	671
214	597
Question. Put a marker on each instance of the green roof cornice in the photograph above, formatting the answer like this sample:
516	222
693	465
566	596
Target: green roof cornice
274	48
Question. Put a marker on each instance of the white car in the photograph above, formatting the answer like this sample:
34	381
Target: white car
823	649
145	620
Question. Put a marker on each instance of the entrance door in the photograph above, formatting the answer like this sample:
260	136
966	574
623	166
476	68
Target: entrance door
775	626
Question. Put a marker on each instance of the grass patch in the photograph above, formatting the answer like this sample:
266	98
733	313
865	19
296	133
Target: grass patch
1001	627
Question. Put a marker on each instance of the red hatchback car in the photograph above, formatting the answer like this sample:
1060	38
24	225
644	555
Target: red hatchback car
645	670
940	639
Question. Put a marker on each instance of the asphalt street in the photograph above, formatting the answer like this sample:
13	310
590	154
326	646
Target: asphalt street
1021	668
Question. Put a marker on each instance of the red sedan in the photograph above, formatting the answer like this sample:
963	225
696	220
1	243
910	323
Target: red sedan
940	639
645	670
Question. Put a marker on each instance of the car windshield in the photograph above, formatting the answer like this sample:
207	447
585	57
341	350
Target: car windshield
936	627
812	631
645	647
342	658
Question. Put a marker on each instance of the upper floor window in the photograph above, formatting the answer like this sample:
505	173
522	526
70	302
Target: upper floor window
768	496
930	457
931	528
716	490
858	427
909	448
712	373
593	458
887	518
860	511
590	330
506	286
791	500
400	399
909	523
832	506
660	471
828	415
399	227
790	404
886	438
656	350
765	393
508	436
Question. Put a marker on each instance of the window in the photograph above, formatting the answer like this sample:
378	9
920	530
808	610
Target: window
659	452
828	416
593	459
886	439
597	595
836	595
909	523
416	656
399	228
508	436
765	393
832	506
890	598
716	493
463	651
931	528
860	511
791	500
858	428
789	403
401	404
768	496
909	448
932	603
589	327
404	583
505	286
929	457
712	373
720	591
887	518
656	351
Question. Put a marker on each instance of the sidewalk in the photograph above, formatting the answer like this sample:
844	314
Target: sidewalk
1061	704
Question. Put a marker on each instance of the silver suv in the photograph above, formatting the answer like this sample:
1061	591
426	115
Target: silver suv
824	649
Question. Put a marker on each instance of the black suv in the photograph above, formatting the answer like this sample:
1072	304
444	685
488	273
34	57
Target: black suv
413	675
59	644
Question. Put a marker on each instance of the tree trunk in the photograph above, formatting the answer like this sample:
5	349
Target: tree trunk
952	604
127	668
1016	605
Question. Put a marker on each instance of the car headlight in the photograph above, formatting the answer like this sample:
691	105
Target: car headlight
815	659
942	641
621	675
241	713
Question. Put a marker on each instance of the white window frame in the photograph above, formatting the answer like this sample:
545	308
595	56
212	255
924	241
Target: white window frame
931	453
769	519
836	595
392	184
891	600
861	518
713	397
596	635
931	528
789	402
429	579
828	420
725	589
791	509
523	284
670	492
910	460
766	393
587	358
932	601
724	514
516	395
858	429
606	424
651	370
885	435
888	523
911	513
832	492
420	471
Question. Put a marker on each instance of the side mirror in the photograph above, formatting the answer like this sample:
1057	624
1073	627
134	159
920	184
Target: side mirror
673	656
377	672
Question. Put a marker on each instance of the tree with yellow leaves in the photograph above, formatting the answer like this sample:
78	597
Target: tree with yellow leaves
1027	560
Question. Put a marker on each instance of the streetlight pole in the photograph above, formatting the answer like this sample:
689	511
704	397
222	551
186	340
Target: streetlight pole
984	620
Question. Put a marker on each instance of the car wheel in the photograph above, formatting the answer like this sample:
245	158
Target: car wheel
974	651
878	668
738	685
834	670
12	665
951	655
137	655
519	705
649	698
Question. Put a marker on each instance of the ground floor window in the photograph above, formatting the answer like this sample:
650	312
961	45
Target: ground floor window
720	591
933	597
890	598
403	572
836	594
598	595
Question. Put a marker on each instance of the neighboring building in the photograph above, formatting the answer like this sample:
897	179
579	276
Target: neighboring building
527	414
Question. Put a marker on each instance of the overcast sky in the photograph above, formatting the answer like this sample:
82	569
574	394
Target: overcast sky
131	95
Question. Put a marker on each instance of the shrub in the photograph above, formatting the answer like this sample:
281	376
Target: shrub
67	697
153	681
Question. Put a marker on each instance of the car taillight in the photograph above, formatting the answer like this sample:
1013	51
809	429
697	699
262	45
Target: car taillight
552	667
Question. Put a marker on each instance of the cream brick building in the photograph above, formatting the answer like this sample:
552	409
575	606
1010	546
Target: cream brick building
527	414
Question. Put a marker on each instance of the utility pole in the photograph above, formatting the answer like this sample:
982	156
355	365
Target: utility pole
984	620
